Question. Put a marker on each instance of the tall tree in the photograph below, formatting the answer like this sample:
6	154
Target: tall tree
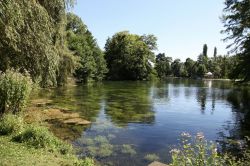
163	66
204	52
176	67
215	52
237	26
92	65
189	64
128	56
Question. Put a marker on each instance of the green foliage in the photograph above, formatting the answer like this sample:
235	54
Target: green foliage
201	70
12	153
190	68
10	124
32	39
151	157
128	56
15	89
86	162
92	65
176	67
197	151
236	22
40	137
163	66
204	52
220	66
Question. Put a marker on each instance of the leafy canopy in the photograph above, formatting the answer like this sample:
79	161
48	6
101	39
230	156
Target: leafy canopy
236	21
33	39
92	65
128	56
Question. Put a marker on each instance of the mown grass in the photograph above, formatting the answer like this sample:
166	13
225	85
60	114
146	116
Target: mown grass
34	145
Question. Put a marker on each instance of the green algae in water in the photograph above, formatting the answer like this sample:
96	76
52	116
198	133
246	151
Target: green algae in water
101	140
151	157
127	149
111	136
105	150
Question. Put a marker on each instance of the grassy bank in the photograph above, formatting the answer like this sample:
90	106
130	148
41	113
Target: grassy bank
31	144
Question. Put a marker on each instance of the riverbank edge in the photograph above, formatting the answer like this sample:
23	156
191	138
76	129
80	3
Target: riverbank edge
22	154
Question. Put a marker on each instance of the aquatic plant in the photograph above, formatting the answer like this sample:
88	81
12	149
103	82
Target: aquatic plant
98	147
111	136
151	157
92	150
105	150
88	141
127	149
101	140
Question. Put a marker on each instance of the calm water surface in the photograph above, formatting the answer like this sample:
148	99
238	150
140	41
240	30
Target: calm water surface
133	119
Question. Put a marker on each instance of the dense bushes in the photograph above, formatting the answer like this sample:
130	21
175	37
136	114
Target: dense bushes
14	91
10	124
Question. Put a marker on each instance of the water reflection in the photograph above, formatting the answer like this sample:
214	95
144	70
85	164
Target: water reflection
202	98
145	117
232	137
160	92
129	103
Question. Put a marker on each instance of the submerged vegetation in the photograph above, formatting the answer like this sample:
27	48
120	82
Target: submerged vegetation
151	157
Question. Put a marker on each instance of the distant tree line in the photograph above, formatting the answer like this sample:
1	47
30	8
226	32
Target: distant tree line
219	66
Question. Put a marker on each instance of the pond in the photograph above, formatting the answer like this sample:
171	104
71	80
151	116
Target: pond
135	122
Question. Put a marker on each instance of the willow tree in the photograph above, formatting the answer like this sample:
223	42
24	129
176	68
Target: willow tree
33	39
237	27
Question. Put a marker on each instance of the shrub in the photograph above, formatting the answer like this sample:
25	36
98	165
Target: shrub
197	151
10	124
14	91
41	137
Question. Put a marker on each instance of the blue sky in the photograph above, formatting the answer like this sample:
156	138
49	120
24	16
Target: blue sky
181	26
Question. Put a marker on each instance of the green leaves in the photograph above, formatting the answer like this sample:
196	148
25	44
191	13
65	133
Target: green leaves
163	66
237	26
128	56
33	39
14	91
92	65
